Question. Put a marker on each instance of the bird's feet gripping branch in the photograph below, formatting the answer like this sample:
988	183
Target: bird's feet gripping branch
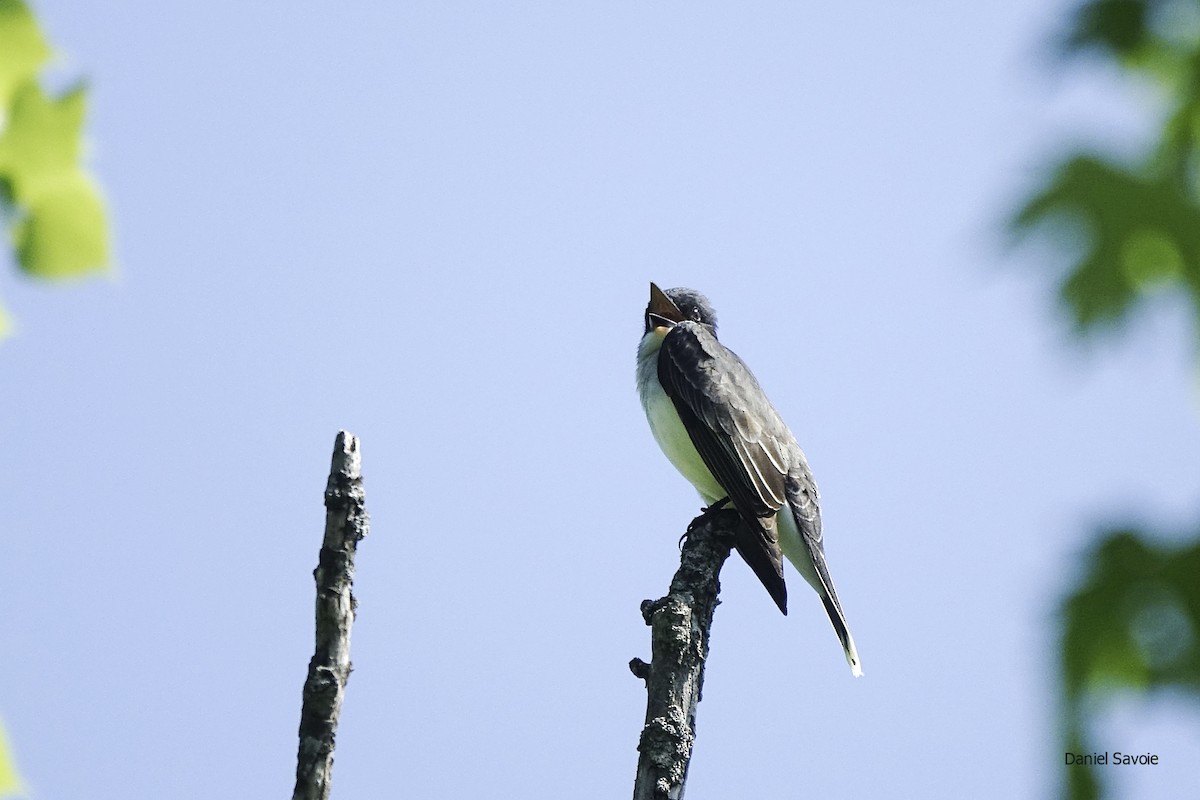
705	514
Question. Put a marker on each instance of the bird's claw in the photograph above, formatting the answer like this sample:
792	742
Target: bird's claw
705	513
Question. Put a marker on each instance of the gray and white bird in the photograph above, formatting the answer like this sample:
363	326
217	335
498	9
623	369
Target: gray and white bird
716	425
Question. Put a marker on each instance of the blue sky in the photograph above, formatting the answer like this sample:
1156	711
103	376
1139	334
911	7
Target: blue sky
434	224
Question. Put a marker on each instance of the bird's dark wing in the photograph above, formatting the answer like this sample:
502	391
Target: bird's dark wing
740	436
802	496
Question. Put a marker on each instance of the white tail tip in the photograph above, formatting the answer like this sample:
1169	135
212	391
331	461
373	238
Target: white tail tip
852	657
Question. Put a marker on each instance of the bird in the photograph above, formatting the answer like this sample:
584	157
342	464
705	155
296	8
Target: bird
715	424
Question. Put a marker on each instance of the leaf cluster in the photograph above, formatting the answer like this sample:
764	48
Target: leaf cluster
1130	622
1132	229
1131	625
53	209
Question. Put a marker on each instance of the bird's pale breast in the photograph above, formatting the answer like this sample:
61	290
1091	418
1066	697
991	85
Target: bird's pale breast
666	426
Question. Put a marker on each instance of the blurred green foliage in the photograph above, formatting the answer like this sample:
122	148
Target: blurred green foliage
1130	625
10	782
1142	234
1133	229
51	206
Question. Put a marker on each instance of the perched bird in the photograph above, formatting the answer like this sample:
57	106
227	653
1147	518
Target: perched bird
716	425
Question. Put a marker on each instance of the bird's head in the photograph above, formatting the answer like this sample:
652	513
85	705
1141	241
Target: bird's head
669	308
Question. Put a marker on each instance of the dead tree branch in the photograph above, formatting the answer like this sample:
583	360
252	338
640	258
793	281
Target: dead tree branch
345	525
680	624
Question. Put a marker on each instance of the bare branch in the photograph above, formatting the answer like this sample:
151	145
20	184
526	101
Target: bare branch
345	525
680	624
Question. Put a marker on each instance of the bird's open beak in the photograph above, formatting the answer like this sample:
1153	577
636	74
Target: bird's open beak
661	313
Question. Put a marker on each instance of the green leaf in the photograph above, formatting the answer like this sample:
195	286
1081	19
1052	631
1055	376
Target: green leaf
1119	26
1134	622
1140	235
41	144
64	234
61	229
55	211
10	781
23	50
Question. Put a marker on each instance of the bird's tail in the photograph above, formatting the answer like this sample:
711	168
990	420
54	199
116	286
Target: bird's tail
820	580
834	609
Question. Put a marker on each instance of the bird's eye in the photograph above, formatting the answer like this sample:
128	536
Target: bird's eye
696	313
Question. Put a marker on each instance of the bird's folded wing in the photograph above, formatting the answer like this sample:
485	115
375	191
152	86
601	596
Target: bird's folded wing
739	435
